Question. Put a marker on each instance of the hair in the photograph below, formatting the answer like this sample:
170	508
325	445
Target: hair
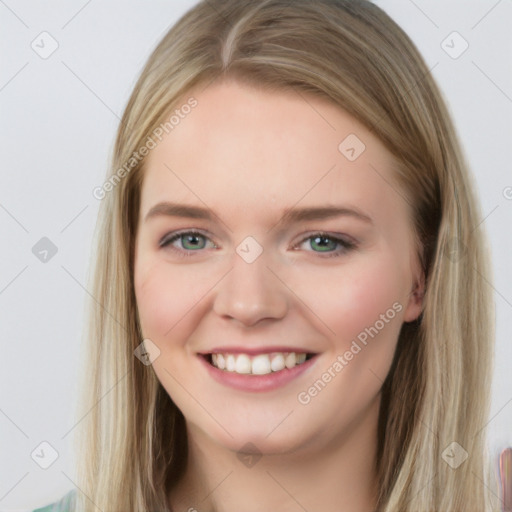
132	443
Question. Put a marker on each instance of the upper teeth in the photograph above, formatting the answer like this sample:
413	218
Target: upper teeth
257	365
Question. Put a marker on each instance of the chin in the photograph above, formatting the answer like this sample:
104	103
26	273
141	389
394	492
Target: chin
259	440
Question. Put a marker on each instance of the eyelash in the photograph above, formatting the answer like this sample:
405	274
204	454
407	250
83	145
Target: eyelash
346	245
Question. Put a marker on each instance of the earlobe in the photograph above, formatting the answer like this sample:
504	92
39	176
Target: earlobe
415	303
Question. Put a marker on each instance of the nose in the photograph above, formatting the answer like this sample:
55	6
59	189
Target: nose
250	292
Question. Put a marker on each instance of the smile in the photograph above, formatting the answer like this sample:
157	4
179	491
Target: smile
260	364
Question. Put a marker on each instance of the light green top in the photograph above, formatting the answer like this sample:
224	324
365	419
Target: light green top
65	504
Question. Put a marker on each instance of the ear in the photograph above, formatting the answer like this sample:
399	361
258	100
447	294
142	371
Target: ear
415	303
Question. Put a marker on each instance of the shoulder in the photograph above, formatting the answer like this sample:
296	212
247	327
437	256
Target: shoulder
65	504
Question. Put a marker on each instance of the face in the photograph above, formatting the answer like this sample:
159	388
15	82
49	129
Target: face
289	238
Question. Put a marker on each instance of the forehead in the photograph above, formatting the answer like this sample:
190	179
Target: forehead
245	149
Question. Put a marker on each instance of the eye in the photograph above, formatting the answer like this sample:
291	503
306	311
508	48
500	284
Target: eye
193	241
190	241
326	243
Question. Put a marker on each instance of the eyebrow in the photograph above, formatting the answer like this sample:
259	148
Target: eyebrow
289	216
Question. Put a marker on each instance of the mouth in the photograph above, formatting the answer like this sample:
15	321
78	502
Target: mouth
257	364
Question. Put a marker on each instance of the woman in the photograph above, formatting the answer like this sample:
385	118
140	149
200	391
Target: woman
232	364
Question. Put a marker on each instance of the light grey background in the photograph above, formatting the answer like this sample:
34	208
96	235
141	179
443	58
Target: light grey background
58	118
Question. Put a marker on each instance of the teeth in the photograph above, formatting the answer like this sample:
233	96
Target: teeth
243	364
260	365
290	360
277	363
230	363
257	365
301	358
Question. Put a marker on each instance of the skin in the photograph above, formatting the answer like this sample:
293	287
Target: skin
248	155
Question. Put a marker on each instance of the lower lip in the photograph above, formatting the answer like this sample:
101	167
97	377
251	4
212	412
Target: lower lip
256	383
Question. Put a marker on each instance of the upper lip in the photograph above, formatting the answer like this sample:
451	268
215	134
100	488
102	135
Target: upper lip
256	350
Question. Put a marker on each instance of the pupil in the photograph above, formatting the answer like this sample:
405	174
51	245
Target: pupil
191	240
322	242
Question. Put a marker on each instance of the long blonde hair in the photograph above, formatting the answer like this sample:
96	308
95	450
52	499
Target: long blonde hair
131	443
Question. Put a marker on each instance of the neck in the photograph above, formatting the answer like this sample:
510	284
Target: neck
337	476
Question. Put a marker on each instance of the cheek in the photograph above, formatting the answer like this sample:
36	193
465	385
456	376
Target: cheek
171	299
164	295
355	296
363	306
